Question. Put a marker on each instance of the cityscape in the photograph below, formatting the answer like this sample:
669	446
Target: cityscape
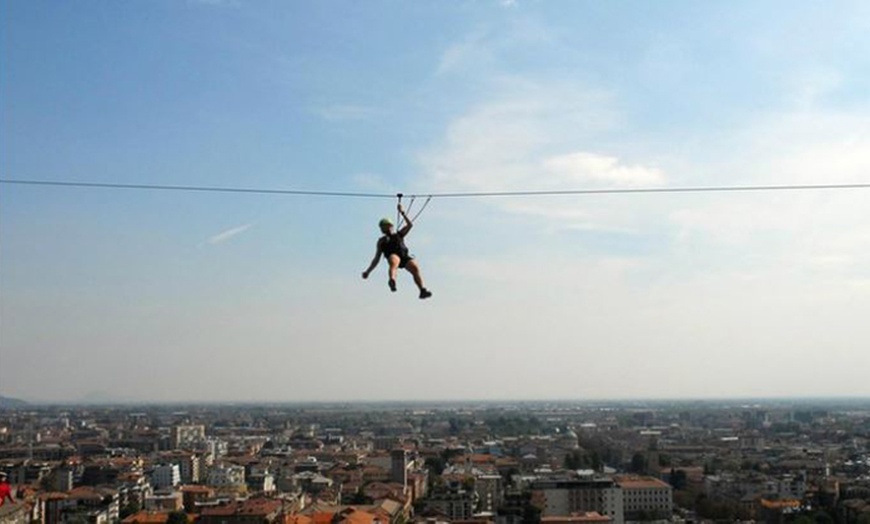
453	462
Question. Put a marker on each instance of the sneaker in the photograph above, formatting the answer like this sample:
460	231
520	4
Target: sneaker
392	284
425	293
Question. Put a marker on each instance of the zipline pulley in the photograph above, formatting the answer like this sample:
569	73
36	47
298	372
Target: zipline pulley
410	207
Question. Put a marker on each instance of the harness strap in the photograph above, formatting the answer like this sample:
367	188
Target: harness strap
398	215
426	203
410	205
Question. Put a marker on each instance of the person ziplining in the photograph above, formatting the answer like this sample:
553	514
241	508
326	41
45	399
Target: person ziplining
392	246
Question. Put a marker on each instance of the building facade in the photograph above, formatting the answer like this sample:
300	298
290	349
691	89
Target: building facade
187	437
166	476
566	496
226	476
646	497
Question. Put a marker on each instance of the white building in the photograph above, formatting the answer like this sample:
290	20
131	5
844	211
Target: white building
226	476
191	465
646	495
565	496
260	481
454	502
489	492
187	437
792	486
166	476
215	449
164	501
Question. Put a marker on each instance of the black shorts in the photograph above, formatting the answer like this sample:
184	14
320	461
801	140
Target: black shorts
404	258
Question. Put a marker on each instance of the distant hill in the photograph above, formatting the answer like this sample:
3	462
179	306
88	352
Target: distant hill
8	402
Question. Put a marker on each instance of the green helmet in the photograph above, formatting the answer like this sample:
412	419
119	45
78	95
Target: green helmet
385	222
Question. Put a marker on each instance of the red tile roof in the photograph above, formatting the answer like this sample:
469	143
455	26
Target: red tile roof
147	517
640	482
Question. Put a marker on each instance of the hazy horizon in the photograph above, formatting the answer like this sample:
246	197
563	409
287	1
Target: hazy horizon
442	403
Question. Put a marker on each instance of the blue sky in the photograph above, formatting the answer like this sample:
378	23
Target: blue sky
186	296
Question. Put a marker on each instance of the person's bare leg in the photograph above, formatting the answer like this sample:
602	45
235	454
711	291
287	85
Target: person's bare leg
393	260
414	269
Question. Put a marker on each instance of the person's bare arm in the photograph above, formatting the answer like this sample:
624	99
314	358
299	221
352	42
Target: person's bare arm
374	263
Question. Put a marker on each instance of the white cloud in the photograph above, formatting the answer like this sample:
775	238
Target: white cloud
608	270
533	137
546	136
480	51
372	182
495	144
813	85
224	236
585	168
811	242
472	51
811	146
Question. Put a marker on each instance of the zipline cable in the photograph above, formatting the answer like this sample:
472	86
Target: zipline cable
640	190
457	194
212	189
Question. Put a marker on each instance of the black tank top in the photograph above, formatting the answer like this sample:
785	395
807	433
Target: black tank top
394	244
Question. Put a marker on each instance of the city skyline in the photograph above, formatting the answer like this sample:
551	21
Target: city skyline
488	464
191	297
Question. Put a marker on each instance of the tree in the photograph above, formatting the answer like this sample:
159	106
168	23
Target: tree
531	514
435	464
575	460
595	461
76	518
717	509
509	475
679	479
131	508
638	463
643	515
708	469
177	517
684	499
359	498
